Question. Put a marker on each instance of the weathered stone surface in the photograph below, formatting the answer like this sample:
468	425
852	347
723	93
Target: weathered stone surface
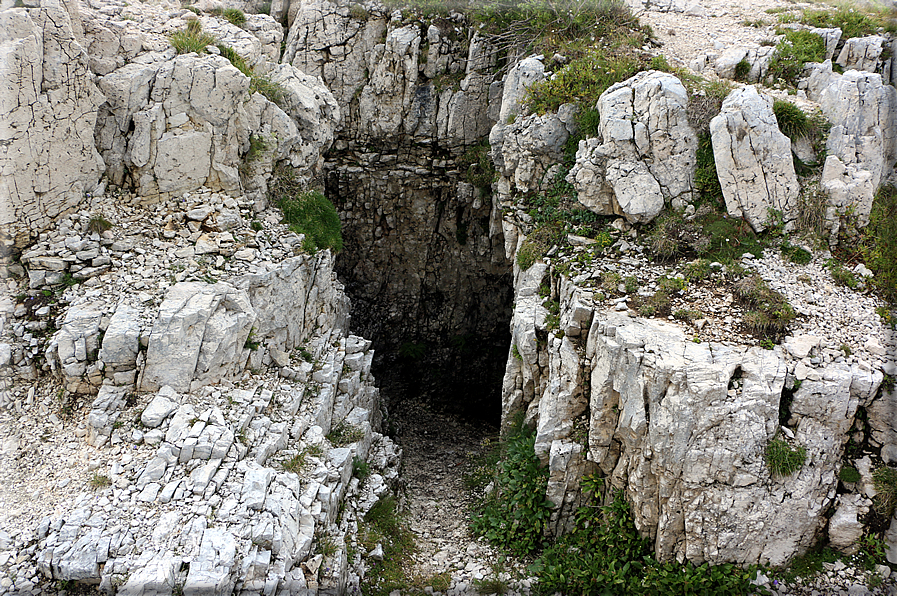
862	53
48	108
862	141
199	334
121	340
159	408
753	159
845	528
645	152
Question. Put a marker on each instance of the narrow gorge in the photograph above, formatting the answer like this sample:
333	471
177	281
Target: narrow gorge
661	265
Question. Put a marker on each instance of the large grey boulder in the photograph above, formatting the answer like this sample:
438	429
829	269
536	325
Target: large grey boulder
862	53
387	97
645	153
753	159
48	106
862	141
199	334
121	341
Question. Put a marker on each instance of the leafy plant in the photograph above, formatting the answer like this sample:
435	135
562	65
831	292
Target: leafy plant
538	242
514	514
842	275
742	70
191	39
477	166
251	342
792	120
782	460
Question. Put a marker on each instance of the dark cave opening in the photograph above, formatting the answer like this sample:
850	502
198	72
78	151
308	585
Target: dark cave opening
429	281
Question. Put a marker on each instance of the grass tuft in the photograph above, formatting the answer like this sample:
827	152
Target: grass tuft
306	212
796	49
782	460
191	39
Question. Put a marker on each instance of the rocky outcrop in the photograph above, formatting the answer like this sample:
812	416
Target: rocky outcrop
753	160
48	109
862	146
645	154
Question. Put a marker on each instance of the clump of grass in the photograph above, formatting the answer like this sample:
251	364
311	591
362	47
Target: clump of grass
383	524
234	16
742	70
656	305
361	469
796	254
477	165
257	83
769	313
697	270
884	479
842	275
98	225
191	39
345	434
99	480
796	49
782	459
490	585
792	120
306	212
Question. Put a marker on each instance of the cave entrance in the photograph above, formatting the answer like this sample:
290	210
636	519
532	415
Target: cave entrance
429	284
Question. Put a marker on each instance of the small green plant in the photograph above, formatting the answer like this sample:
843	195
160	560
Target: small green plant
742	70
191	39
846	349
361	469
630	284
516	353
879	243
683	314
795	254
251	341
792	120
849	475
383	524
697	270
767	344
325	545
490	585
98	225
671	285
296	463
345	434
99	480
884	479
477	166
256	225
810	563
306	212
782	460
852	22
539	242
842	275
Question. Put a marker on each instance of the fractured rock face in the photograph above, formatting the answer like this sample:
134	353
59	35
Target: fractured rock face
200	332
753	159
48	108
862	143
645	152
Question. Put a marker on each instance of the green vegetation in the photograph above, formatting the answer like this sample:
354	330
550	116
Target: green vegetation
605	554
257	83
344	434
191	39
782	460
852	23
251	343
384	525
742	70
477	166
884	479
537	243
235	16
849	474
514	513
361	469
879	244
795	254
796	49
306	212
842	275
792	120
768	312
710	234
99	481
583	80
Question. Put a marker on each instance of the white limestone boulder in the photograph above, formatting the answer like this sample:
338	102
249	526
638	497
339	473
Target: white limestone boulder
644	155
753	159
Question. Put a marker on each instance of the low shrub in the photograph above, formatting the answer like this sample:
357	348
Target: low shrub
796	49
793	122
384	524
234	16
539	242
345	434
742	70
782	460
98	224
879	245
849	474
796	254
306	212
